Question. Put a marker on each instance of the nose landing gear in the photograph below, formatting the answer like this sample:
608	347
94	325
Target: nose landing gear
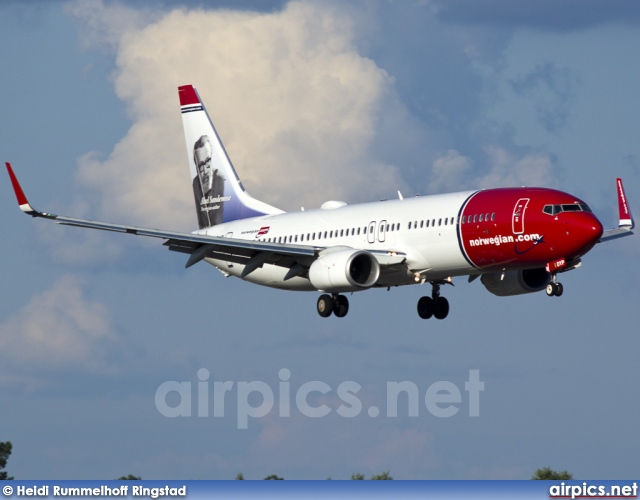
435	305
554	289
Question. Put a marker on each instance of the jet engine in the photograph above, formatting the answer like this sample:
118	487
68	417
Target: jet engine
345	270
516	282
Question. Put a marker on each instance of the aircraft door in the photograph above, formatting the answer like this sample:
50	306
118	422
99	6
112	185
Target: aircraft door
517	222
382	231
371	232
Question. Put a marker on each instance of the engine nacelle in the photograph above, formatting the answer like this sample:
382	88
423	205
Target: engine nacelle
345	270
516	282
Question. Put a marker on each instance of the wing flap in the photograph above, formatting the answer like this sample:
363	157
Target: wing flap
389	258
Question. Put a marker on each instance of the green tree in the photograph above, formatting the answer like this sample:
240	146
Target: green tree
357	476
273	476
239	476
547	474
383	476
130	477
5	452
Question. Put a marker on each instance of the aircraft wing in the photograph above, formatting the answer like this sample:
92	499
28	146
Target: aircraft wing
626	223
252	254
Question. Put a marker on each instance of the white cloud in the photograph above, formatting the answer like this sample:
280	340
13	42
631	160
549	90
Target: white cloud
454	172
295	103
533	169
450	171
57	329
78	247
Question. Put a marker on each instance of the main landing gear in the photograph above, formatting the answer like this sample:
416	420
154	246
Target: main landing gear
336	304
554	289
435	305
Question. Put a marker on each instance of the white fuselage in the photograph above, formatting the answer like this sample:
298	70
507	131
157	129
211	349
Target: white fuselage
432	247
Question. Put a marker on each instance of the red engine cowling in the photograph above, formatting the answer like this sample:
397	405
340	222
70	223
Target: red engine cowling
516	282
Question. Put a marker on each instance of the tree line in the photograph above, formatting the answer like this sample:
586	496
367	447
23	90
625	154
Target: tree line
546	473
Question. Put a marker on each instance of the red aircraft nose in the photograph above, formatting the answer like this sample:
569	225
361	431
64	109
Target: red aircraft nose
584	230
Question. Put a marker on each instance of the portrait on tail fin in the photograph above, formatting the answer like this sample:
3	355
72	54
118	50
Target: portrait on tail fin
208	185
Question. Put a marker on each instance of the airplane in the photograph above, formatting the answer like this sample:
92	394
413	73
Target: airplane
517	240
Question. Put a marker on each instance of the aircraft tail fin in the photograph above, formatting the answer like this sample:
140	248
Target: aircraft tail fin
218	192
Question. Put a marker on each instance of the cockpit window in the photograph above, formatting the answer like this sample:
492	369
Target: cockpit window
552	209
573	207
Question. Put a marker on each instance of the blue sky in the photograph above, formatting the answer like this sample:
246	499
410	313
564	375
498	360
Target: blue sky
314	101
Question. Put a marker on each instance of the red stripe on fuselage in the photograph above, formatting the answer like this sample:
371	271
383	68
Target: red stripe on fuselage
507	229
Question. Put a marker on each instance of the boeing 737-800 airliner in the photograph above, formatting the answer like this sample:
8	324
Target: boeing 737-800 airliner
517	240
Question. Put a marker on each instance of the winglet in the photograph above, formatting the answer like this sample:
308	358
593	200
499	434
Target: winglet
22	199
24	204
626	224
626	219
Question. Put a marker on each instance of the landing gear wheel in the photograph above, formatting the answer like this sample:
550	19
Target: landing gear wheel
440	308
435	305
425	307
554	289
325	305
340	306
